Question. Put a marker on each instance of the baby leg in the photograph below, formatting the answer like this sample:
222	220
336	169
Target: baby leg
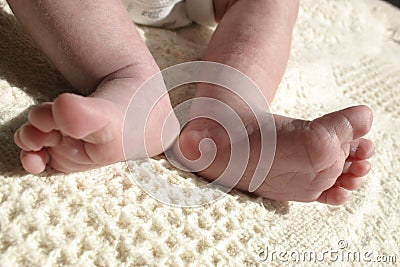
312	157
97	48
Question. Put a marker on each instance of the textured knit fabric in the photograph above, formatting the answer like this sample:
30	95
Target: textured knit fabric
344	52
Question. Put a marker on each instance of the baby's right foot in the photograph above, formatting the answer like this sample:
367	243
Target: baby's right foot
314	161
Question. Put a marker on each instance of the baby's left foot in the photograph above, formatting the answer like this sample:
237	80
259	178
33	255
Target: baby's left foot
76	133
314	161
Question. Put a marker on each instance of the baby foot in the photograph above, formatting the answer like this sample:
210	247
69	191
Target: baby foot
76	133
314	161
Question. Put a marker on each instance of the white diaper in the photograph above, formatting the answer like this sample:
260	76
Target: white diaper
171	13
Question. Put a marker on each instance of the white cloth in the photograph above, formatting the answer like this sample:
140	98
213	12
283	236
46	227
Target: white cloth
171	13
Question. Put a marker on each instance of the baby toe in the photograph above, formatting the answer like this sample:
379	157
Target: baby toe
84	117
41	117
349	181
18	141
359	168
33	139
362	149
333	196
348	124
34	161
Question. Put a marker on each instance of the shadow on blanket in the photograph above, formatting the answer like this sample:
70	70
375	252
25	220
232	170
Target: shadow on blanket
24	66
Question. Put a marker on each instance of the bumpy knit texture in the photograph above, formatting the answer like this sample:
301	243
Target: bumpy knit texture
344	52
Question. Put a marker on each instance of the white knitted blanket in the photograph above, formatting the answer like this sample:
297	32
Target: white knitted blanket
344	52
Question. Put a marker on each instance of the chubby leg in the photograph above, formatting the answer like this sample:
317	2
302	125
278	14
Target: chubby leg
96	47
315	160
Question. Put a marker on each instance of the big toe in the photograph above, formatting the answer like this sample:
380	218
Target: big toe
348	124
195	149
85	118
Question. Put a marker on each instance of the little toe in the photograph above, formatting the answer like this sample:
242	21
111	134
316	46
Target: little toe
349	181
41	117
333	196
33	139
34	161
348	124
